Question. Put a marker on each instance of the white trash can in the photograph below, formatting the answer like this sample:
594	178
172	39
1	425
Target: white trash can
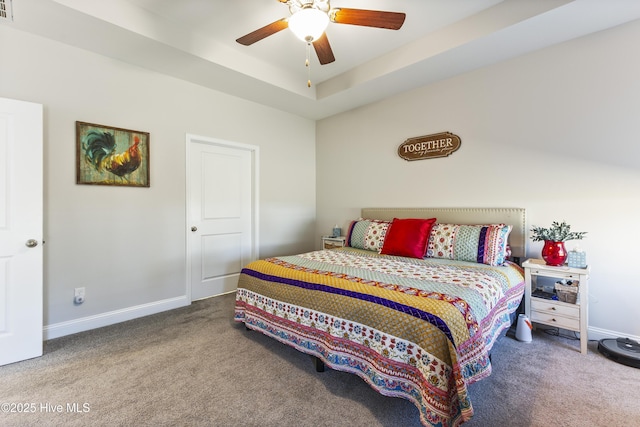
523	329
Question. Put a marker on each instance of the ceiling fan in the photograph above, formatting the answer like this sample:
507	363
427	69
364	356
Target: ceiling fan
309	19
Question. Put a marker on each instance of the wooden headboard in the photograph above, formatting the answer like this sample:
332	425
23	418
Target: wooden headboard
516	217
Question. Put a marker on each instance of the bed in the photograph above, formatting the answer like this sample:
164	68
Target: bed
413	305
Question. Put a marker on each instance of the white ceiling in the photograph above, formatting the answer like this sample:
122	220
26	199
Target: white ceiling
195	40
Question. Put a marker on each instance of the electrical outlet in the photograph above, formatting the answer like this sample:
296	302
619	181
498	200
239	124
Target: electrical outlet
78	296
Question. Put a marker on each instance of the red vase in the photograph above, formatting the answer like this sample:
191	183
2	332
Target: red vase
554	253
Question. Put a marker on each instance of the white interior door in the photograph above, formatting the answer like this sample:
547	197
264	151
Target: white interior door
221	213
21	220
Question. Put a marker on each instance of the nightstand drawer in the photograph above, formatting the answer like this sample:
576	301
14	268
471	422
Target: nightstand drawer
333	242
332	245
556	274
554	319
553	307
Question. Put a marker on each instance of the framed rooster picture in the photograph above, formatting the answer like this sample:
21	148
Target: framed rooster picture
107	155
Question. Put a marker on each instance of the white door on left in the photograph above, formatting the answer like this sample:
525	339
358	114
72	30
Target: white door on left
21	219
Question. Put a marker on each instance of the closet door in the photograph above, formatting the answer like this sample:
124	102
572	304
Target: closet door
221	215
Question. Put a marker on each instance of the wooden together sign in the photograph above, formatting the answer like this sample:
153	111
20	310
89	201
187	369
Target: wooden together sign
429	146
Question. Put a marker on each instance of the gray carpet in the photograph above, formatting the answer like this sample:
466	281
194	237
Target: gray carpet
195	366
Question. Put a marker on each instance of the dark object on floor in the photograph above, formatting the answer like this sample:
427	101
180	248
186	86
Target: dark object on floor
318	363
621	350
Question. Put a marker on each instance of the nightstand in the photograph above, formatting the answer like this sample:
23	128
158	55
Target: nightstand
329	242
574	317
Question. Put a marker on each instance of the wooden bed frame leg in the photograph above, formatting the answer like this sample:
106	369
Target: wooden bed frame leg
319	364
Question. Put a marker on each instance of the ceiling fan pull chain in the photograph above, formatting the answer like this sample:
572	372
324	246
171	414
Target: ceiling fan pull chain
308	65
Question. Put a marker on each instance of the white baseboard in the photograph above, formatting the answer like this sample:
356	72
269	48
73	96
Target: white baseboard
105	319
600	334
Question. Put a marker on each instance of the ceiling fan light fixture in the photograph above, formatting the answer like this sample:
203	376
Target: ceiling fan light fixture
308	24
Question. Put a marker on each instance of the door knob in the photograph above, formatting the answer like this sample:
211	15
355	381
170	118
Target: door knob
31	243
194	228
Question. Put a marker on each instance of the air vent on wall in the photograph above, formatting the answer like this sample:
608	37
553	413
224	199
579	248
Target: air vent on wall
6	11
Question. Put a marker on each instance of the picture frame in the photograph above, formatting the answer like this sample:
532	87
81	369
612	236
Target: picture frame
107	155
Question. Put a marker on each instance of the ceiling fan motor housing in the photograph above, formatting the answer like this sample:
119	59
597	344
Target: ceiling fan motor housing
298	5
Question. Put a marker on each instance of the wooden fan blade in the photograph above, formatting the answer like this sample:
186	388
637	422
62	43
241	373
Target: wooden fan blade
323	50
263	32
368	18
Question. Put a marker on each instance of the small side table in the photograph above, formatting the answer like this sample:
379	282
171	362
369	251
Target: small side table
329	242
574	317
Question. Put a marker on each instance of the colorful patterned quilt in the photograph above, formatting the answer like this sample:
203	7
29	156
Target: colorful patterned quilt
420	329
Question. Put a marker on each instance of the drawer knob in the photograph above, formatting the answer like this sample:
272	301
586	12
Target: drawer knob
553	308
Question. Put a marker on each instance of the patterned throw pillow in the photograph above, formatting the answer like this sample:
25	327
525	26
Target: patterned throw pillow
367	234
485	244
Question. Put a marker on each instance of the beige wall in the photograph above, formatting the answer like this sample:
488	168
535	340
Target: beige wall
555	132
127	245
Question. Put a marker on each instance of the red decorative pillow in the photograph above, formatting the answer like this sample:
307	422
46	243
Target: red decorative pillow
408	237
